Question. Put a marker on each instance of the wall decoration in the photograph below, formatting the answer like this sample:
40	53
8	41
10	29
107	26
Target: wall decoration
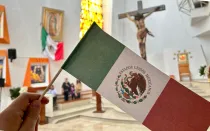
4	68
4	33
183	64
52	20
50	48
182	57
37	73
1	68
91	12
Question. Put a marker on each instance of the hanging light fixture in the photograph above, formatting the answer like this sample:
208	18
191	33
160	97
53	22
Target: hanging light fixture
186	6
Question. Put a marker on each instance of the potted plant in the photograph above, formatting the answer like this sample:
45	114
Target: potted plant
202	70
205	71
14	92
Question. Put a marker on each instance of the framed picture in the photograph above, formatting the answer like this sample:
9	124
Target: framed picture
37	73
52	20
183	58
4	33
2	68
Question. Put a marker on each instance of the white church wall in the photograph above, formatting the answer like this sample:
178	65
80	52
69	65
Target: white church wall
24	19
107	16
171	29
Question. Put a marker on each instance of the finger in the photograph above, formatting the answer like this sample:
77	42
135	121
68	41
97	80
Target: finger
17	109
44	100
23	100
31	117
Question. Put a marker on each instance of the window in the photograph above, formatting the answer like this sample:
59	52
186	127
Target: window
91	11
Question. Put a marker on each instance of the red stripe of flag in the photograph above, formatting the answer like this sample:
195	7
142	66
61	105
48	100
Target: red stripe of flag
59	54
178	109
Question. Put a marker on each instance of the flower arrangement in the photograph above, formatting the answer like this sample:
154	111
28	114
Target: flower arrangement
202	70
205	71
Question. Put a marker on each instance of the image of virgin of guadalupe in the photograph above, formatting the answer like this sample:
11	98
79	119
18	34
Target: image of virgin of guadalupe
53	20
53	24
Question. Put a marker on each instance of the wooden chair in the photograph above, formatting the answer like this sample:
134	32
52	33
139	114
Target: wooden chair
184	70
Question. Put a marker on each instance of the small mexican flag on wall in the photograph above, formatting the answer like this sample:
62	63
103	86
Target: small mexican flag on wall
50	48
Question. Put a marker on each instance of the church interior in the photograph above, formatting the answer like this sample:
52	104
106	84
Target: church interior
37	37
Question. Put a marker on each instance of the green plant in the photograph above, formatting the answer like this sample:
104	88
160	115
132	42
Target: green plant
14	92
202	70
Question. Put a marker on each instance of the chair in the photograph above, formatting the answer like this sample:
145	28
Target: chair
184	70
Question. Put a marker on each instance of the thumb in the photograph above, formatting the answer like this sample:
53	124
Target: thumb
31	116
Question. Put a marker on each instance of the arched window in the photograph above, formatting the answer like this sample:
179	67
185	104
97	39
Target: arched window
91	11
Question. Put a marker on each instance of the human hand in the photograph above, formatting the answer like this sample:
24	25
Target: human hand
22	114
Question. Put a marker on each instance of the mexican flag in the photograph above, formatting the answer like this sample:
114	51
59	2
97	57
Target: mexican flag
135	86
50	48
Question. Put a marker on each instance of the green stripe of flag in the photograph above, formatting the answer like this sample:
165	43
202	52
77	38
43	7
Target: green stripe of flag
44	38
86	64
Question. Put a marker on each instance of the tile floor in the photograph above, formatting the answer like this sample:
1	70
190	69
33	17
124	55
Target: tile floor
84	124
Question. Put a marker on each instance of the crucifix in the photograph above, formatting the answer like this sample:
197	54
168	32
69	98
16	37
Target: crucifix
139	17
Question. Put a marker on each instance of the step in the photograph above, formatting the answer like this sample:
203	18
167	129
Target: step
69	112
72	103
118	116
83	123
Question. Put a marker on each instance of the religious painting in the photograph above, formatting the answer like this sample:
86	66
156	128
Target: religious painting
4	32
1	67
39	74
52	20
182	58
1	24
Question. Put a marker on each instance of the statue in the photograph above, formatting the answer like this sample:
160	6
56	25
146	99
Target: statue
142	31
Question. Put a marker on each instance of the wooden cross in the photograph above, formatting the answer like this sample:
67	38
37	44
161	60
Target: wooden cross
141	10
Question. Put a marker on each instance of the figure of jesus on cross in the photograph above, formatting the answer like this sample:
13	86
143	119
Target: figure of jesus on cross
138	20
